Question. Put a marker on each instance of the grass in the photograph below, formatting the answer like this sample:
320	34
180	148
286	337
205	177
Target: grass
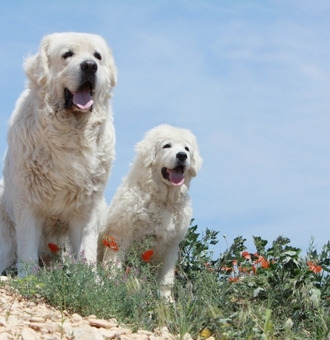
270	293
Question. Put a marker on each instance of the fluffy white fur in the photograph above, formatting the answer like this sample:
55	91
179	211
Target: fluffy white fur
147	204
60	148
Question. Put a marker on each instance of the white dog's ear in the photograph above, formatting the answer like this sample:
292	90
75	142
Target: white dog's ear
146	151
113	69
196	162
36	66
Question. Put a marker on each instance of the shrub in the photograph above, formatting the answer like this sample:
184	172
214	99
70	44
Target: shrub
269	293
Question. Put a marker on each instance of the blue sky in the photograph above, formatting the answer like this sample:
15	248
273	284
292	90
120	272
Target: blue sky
251	79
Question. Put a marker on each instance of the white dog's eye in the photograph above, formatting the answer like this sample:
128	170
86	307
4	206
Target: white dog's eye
67	54
166	146
97	56
187	149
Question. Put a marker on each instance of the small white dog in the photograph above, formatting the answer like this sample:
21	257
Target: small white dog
60	148
153	200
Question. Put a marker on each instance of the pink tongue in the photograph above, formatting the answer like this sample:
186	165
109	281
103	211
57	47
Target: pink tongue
83	99
175	176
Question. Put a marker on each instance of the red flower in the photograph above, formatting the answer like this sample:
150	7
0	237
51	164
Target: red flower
53	247
262	261
109	242
146	256
246	255
313	267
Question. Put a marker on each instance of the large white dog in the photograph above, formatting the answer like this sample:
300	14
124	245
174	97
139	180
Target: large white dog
153	202
60	148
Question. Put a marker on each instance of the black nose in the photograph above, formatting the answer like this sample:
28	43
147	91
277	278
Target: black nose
182	156
88	67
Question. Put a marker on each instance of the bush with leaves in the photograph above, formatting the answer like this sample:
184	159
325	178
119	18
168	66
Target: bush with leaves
267	293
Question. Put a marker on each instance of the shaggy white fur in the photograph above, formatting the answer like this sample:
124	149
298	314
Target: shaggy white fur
60	148
153	202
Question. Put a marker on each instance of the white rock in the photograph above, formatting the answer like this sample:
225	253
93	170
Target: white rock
143	332
27	334
3	322
76	317
187	336
37	319
13	321
101	323
86	333
110	334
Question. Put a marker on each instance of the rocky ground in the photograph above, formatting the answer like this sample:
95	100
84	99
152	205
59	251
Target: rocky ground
24	319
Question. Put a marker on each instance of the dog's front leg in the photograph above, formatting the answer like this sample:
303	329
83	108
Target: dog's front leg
166	272
28	233
83	235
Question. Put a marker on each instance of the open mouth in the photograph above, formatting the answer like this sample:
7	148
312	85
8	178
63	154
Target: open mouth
82	98
175	176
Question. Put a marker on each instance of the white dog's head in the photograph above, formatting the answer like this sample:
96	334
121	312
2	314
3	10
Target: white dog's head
172	154
73	70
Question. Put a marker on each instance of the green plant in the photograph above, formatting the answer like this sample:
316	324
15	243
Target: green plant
195	254
268	293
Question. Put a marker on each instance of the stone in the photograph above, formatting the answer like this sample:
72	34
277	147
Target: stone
76	317
110	334
142	332
37	319
27	334
3	323
27	320
13	320
101	323
187	336
86	333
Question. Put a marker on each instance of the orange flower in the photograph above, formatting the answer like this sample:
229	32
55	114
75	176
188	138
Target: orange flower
263	262
225	268
109	242
146	256
233	279
246	255
53	247
313	267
